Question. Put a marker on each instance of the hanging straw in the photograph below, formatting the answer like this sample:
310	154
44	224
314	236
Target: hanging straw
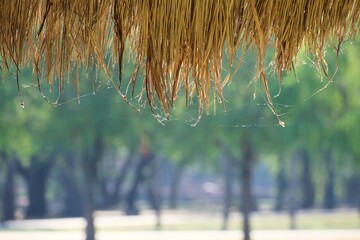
176	44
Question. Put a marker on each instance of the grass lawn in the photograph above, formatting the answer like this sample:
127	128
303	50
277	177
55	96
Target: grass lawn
202	221
306	220
179	225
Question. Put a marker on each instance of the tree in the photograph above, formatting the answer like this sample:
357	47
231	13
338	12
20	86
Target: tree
281	183
69	175
36	176
114	171
142	172
7	194
319	120
21	148
307	184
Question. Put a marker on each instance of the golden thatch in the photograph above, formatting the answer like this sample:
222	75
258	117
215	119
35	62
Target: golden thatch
175	42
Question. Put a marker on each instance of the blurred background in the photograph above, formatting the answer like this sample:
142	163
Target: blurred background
103	160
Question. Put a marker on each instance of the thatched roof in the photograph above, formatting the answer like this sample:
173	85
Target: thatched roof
175	42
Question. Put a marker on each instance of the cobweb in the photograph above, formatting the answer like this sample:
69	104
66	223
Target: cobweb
249	113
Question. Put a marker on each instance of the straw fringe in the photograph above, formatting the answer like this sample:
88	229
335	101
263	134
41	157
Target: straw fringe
176	43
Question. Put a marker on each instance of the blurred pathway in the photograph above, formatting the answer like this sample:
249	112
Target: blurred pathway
181	235
112	226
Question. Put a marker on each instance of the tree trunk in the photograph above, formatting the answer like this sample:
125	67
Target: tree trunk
8	194
113	197
90	166
307	183
72	202
37	192
131	197
175	185
153	190
228	188
154	200
89	204
292	199
280	184
329	193
140	175
36	176
352	190
246	177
